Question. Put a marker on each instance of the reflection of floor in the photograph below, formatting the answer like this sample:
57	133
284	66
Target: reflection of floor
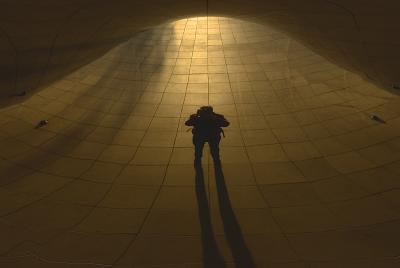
312	180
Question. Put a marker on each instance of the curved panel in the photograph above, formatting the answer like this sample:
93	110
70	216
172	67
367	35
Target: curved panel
53	39
310	162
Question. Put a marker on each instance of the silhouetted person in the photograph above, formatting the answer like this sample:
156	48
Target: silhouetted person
207	127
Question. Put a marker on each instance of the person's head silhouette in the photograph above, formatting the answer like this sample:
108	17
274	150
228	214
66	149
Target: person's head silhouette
205	111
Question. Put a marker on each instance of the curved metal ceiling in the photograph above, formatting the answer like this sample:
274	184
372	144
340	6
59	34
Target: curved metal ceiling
42	42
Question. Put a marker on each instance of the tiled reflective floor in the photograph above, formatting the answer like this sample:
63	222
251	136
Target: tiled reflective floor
312	180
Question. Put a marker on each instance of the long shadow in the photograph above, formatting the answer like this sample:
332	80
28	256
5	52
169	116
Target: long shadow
240	252
211	254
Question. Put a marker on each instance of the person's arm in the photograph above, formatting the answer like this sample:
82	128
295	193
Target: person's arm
191	121
224	122
221	120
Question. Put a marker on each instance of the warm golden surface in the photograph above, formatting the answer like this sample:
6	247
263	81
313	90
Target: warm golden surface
41	41
109	181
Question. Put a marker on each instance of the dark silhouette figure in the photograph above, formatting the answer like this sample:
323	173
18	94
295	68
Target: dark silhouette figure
207	127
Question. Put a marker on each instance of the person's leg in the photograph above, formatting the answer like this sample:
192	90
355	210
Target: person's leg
198	149
214	150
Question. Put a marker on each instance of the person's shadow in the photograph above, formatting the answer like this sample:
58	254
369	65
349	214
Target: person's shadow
211	254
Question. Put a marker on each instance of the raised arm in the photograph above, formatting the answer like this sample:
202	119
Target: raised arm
191	121
224	122
221	120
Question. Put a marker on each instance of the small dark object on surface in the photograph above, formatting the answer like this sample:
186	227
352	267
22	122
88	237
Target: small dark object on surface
395	86
42	123
377	118
23	93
